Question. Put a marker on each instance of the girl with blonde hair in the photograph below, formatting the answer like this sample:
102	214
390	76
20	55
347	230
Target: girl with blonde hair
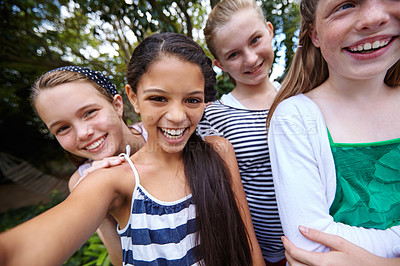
239	38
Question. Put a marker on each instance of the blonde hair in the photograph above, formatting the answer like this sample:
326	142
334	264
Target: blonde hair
58	77
309	69
222	14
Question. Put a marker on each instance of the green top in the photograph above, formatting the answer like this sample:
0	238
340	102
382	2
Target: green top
368	183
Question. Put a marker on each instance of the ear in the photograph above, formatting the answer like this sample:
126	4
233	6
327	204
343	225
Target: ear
218	64
270	29
312	33
132	97
118	104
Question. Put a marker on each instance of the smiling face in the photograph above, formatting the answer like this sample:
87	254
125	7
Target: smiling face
84	122
170	100
358	39
243	47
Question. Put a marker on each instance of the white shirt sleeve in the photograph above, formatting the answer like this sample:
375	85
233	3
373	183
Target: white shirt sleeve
305	179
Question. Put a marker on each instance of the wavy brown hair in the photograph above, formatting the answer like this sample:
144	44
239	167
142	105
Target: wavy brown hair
308	69
220	229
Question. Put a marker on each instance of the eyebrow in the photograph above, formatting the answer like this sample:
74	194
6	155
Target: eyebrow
256	32
54	124
154	90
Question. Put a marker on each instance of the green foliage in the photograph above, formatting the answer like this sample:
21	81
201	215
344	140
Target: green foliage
285	16
39	35
224	85
93	252
15	217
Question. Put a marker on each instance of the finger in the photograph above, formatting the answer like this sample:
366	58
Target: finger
292	262
332	241
297	256
99	165
116	161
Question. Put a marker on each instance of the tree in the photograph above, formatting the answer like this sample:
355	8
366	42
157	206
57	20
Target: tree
285	16
39	35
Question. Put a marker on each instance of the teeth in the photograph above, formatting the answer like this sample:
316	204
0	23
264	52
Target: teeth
173	133
95	145
254	70
368	46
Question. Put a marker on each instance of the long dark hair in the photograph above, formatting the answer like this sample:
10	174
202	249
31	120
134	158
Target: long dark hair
220	229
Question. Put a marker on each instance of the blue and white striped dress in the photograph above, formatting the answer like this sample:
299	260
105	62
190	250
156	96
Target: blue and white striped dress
158	233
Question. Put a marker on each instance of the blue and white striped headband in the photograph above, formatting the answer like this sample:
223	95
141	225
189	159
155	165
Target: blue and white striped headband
96	76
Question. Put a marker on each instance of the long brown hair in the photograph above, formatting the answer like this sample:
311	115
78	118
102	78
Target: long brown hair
220	229
308	69
54	78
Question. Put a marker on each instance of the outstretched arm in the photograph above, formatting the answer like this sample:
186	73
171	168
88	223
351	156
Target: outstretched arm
107	230
342	252
52	237
226	151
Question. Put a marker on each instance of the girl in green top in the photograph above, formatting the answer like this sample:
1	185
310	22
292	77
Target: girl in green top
345	77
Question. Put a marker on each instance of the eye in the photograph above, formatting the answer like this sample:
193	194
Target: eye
90	113
255	40
233	55
158	99
345	6
194	100
61	130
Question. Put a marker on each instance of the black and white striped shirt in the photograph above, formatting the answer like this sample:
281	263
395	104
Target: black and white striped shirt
246	130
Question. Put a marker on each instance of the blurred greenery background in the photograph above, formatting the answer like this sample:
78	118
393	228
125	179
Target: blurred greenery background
39	35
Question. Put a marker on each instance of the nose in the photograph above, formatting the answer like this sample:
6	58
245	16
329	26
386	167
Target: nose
176	114
84	131
250	57
373	15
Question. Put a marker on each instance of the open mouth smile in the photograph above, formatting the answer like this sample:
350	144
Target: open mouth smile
368	46
95	144
173	133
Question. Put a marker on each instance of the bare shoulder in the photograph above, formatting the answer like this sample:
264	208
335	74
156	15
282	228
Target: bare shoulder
224	149
117	179
73	180
220	144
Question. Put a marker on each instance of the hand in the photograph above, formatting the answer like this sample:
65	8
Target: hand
105	163
342	252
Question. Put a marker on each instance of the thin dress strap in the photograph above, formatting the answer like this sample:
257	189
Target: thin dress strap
128	159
